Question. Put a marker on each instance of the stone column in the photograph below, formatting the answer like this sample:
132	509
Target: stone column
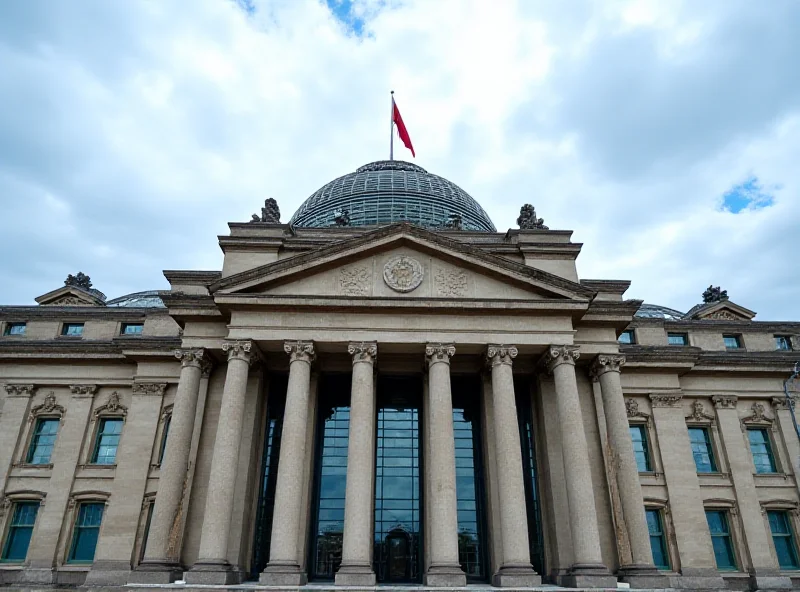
588	570
445	569
764	570
284	567
212	565
516	569
356	567
159	566
641	573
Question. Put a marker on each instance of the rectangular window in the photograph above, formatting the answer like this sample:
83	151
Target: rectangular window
783	343
732	341
20	531
72	329
783	538
721	539
105	450
131	329
658	541
84	538
164	436
627	337
702	451
677	339
640	448
44	437
761	449
15	329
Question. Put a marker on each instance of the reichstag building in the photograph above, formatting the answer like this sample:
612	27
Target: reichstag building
385	390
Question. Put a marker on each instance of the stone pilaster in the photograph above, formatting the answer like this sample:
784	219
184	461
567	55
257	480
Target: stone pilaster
516	569
284	567
15	409
697	566
356	567
212	565
588	570
641	573
160	566
764	570
444	569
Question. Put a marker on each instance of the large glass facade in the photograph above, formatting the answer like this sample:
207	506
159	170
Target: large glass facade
530	473
469	478
269	473
397	554
332	438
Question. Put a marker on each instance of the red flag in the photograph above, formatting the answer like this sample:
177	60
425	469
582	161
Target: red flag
401	128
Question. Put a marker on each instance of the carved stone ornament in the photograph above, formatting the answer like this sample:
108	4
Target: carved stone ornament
48	406
500	354
241	350
439	352
528	221
355	281
757	416
363	352
632	410
270	213
560	354
783	403
666	400
605	363
454	222
70	301
20	390
699	414
403	273
450	283
300	351
341	217
154	389
83	390
714	294
723	315
725	401
112	406
81	280
191	357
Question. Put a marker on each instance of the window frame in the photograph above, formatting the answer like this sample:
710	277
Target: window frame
683	336
98	434
787	339
32	441
728	511
661	511
14	501
65	327
709	441
77	502
10	325
787	515
737	337
164	436
643	428
770	445
632	333
47	409
124	326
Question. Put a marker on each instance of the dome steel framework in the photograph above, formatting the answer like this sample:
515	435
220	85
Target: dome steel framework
390	191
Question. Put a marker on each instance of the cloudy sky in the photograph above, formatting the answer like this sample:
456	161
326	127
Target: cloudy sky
666	134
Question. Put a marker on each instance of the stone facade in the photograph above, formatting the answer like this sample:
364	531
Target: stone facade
195	384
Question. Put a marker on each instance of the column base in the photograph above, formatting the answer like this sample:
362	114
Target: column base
516	575
355	575
160	571
766	578
213	571
694	578
445	576
108	573
589	575
283	574
642	576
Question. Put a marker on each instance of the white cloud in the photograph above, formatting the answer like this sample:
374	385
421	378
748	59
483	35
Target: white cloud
132	132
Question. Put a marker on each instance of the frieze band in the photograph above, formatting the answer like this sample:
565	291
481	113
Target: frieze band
666	400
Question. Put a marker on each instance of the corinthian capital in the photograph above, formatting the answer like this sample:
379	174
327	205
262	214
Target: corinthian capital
300	351
439	352
605	363
363	352
246	351
500	354
193	357
725	401
20	390
83	390
560	354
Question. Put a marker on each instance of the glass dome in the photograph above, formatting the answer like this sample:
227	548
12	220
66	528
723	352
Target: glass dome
655	311
390	191
149	299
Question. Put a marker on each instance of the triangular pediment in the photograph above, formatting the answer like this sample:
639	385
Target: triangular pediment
69	296
722	310
402	261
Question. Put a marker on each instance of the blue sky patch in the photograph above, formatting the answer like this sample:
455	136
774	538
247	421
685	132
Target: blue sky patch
247	5
343	10
749	194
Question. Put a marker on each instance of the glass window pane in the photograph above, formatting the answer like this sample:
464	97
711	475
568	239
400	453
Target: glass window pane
87	529
20	530
42	442
721	539
676	338
783	538
640	448
761	450
701	450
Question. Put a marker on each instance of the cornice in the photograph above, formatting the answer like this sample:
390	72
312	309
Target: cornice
789	327
772	360
70	349
68	313
609	286
200	278
612	308
660	354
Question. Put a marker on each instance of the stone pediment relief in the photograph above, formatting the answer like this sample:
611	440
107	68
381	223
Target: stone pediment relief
402	261
69	296
723	310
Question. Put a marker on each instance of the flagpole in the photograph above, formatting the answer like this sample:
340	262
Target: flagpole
391	130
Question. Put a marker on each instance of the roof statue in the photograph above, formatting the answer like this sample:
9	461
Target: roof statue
713	294
342	217
455	222
270	213
528	221
81	280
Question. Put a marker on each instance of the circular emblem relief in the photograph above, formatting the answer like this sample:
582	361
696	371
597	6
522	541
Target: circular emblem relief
402	273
